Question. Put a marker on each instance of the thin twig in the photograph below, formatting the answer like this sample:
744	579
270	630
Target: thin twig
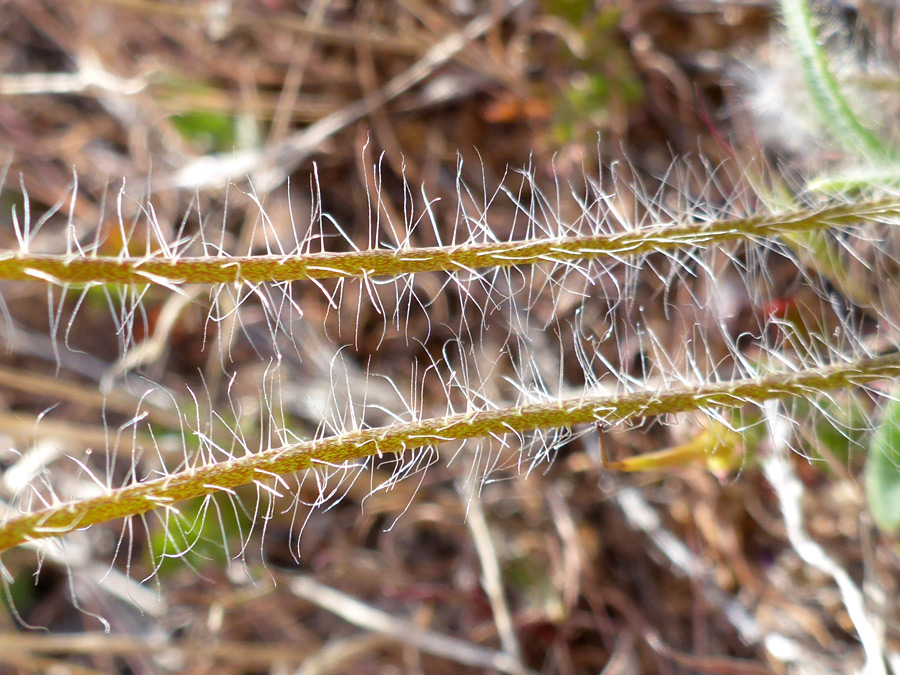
789	490
364	616
492	579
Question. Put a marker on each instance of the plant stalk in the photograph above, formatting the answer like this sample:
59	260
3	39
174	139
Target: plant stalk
159	269
139	498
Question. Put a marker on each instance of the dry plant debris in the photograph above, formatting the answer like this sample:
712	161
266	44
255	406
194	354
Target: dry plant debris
146	129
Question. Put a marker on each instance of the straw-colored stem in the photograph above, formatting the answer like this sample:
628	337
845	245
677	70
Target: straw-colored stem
139	498
80	269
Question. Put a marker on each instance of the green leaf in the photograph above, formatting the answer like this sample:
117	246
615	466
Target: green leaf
883	469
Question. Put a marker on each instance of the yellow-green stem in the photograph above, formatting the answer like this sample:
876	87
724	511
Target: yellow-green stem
139	498
158	269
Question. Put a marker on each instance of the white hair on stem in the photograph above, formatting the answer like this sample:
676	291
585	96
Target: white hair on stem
407	346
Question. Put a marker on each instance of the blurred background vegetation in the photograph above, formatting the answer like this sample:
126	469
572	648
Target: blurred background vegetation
215	108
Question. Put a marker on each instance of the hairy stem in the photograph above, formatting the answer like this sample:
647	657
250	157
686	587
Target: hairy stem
142	497
159	269
832	107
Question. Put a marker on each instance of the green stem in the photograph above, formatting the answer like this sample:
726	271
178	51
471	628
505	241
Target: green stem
70	269
140	498
833	109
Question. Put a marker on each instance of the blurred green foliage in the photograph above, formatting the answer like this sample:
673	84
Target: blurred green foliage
603	82
204	532
207	131
883	468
